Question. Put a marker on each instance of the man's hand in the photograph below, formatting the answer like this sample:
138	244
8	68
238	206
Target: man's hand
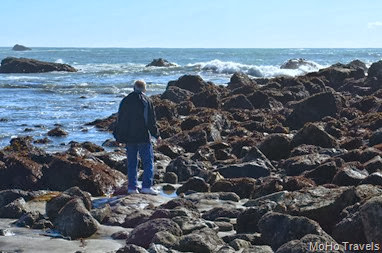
159	140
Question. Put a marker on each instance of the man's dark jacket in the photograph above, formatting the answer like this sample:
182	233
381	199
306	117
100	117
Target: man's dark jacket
131	127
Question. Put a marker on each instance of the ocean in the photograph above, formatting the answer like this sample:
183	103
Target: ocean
32	104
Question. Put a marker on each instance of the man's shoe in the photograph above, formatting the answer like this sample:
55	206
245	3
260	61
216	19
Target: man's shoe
132	191
150	190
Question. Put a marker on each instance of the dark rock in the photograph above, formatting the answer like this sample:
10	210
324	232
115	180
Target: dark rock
143	234
314	108
336	75
166	239
247	220
374	179
237	102
54	205
208	97
239	79
297	183
165	110
24	65
196	184
311	243
75	221
277	229
268	186
314	135
13	210
131	248
105	124
323	174
8	196
376	138
136	217
258	249
175	203
201	241
91	147
357	64
176	94
276	146
294	166
224	226
170	150
185	168
350	228
120	235
375	70
18	47
45	140
101	213
57	131
254	169
193	83
243	187
253	238
373	165
297	63
350	174
170	177
20	172
218	212
160	62
371	216
92	175
239	244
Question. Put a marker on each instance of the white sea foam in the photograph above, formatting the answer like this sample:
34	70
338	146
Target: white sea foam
59	61
229	67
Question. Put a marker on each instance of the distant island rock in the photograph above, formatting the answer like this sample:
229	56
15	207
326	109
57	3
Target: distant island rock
18	47
25	65
160	62
296	63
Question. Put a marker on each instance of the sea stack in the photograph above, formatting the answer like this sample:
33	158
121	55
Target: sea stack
25	65
18	47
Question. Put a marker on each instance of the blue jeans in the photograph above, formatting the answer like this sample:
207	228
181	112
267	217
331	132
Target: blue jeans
147	156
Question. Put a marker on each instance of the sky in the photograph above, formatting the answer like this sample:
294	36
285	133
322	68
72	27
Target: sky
192	24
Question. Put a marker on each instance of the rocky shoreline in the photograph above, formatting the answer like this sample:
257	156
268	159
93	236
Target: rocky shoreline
259	165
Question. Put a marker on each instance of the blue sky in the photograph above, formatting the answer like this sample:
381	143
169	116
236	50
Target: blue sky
193	23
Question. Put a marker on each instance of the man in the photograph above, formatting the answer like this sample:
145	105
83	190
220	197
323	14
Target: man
135	125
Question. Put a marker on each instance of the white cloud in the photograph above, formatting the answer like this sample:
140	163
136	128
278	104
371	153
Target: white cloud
371	25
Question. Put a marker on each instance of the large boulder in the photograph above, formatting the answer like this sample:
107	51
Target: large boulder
196	184
237	102
297	63
371	216
54	205
20	172
143	234
314	108
24	65
375	70
277	229
18	47
202	241
160	62
13	210
312	243
186	168
312	134
75	221
193	83
253	169
239	79
243	187
91	175
247	221
276	146
176	94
